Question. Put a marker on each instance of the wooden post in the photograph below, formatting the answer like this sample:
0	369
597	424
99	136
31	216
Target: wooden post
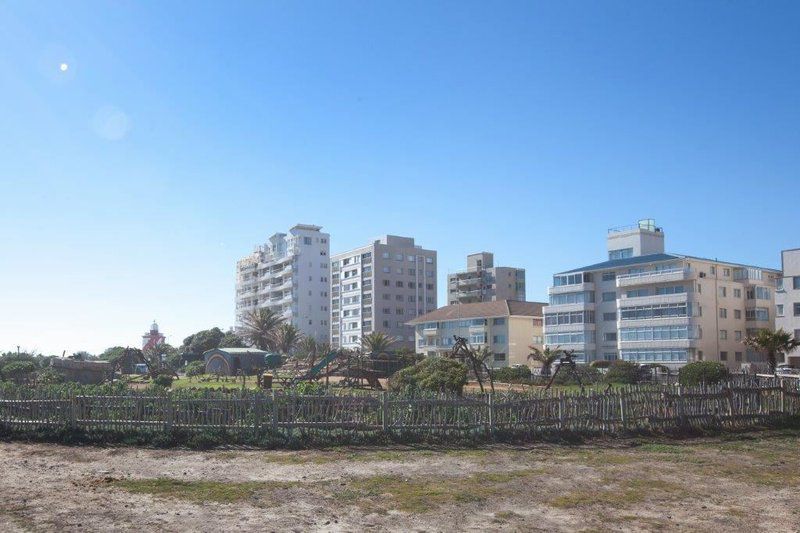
274	414
168	415
73	411
561	409
622	411
491	413
258	413
384	412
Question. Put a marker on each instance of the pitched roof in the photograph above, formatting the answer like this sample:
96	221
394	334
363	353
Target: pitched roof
481	310
237	350
652	258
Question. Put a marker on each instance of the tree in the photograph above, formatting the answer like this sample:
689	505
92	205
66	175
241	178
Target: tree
287	338
260	328
232	340
309	349
546	357
773	344
19	370
195	345
377	343
195	368
474	359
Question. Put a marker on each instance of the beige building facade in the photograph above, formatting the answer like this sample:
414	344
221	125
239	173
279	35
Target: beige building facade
647	306
380	287
507	327
787	300
484	282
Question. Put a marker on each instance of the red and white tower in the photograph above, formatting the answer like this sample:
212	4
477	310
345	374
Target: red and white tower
152	338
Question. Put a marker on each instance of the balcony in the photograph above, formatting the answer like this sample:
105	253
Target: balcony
578	287
654	299
657	276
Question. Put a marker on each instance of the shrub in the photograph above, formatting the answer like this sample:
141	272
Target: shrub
163	380
49	376
272	361
510	374
17	370
587	374
702	372
623	372
195	368
434	374
600	363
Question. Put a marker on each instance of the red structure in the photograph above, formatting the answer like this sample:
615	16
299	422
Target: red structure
152	338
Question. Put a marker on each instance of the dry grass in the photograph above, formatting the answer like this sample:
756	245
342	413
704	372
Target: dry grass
200	491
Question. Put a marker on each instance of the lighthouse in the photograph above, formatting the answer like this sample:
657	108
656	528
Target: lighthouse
152	338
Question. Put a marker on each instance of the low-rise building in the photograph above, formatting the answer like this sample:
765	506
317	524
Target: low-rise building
646	306
507	327
787	299
233	361
484	282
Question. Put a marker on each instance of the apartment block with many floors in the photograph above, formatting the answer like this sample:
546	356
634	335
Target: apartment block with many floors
787	299
380	287
647	306
289	274
507	327
484	282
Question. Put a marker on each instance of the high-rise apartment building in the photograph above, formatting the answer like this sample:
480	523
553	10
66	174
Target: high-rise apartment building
380	287
290	275
647	306
787	299
484	282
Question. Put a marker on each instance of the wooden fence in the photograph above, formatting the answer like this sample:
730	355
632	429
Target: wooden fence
634	408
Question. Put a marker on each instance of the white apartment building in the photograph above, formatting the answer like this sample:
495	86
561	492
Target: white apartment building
484	282
380	287
787	299
647	306
290	275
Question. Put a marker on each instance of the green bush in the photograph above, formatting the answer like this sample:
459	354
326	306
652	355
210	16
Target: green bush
163	380
49	376
699	372
16	370
600	363
509	374
273	361
587	374
623	372
434	374
195	368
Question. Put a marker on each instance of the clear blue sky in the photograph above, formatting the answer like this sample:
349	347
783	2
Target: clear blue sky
182	134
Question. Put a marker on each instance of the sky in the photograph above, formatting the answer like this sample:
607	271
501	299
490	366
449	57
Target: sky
146	146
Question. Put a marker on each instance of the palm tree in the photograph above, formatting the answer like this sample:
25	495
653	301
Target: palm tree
546	357
773	344
287	338
377	343
260	328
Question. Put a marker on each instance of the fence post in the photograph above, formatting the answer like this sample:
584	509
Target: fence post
274	414
258	412
491	413
384	412
783	397
168	415
73	411
622	416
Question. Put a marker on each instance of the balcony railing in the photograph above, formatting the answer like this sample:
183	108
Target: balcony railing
653	276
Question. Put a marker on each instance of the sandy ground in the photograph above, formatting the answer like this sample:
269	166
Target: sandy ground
746	482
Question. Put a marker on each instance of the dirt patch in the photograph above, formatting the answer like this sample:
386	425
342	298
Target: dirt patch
742	482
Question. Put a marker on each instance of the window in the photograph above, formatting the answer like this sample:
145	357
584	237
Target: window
655	311
499	321
570	279
609	337
574	337
306	240
609	296
796	309
572	298
429	260
737	314
738	356
760	313
385	255
622	253
723	356
723	292
737	293
609	276
723	313
723	334
499	339
713	269
796	282
779	310
646	355
762	293
398	257
671	289
398	283
574	317
737	335
654	333
386	270
726	272
609	317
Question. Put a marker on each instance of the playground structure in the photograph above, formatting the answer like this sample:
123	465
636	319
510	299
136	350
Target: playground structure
352	367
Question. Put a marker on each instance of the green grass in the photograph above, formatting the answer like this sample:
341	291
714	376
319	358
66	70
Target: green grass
621	494
200	491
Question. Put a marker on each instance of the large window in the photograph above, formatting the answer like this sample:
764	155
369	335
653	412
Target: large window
760	314
572	298
571	279
575	337
622	253
645	312
762	293
575	317
653	333
642	355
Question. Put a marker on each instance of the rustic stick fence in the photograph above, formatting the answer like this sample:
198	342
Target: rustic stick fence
635	408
